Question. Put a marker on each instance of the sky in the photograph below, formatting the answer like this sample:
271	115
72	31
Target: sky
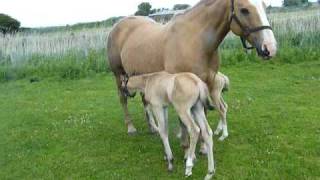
41	13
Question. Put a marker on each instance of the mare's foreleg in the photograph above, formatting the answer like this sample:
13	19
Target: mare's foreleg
124	104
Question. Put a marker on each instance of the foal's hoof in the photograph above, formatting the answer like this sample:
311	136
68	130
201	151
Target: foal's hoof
132	131
188	171
203	151
170	168
152	131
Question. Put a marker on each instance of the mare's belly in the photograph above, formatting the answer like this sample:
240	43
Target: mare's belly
143	53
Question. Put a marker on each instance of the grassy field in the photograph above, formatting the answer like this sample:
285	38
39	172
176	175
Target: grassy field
60	117
73	129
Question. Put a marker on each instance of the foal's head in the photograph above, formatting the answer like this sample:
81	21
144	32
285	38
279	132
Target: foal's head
249	20
129	92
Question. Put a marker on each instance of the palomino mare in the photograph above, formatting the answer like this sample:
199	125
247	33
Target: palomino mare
188	43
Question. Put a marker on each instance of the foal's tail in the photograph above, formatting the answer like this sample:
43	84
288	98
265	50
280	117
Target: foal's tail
205	96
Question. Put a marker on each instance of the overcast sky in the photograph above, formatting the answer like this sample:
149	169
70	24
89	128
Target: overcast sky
37	13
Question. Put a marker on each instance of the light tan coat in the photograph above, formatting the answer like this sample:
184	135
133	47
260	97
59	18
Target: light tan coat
188	94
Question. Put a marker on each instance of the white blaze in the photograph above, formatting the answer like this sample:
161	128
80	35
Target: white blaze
269	40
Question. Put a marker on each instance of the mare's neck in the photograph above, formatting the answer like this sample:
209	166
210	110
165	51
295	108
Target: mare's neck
209	20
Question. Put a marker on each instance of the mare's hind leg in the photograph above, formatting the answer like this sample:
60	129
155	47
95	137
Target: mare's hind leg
221	107
148	116
124	104
224	108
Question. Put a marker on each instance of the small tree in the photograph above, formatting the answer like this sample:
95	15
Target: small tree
8	24
144	9
181	6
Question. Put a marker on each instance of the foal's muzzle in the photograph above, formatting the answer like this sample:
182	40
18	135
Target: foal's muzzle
127	93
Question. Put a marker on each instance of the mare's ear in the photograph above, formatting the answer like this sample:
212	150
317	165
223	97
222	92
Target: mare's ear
265	4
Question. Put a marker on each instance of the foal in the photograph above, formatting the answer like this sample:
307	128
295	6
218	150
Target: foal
188	95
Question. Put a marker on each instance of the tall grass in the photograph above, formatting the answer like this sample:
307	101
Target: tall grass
22	46
74	54
68	54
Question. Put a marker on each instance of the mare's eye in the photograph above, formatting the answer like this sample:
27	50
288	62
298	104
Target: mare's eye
244	11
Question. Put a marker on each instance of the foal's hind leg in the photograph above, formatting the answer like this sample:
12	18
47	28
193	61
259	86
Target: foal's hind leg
160	114
184	139
206	134
124	104
193	130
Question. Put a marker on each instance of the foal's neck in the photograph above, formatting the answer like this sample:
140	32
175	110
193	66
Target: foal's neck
137	83
210	18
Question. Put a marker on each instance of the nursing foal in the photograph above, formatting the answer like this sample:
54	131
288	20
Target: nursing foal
188	95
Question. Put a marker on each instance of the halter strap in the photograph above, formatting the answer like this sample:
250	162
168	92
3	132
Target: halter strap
246	30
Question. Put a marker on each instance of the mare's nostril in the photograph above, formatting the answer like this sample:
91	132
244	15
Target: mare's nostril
266	52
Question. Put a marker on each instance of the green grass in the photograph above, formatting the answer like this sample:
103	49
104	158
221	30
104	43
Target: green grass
74	129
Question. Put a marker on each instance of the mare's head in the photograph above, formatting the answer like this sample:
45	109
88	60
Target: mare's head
249	20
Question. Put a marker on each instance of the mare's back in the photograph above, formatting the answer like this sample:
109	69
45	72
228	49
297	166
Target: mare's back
135	27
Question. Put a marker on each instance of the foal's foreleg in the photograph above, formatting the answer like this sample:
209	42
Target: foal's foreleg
148	116
152	121
124	104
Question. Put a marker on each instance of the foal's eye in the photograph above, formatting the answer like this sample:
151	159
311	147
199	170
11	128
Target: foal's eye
244	11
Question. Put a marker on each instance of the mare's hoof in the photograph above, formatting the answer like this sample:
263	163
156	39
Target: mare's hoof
222	138
209	175
152	131
217	132
170	168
